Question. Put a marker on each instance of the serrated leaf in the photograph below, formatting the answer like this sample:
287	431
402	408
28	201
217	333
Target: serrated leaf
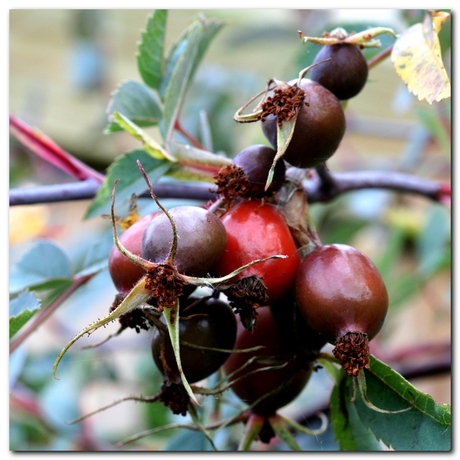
425	427
150	51
151	146
178	49
22	308
179	81
417	59
181	66
16	322
44	263
130	178
137	102
363	437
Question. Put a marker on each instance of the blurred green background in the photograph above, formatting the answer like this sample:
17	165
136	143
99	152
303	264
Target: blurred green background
64	65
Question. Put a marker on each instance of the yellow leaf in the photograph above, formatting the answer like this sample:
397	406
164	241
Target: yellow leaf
416	56
439	18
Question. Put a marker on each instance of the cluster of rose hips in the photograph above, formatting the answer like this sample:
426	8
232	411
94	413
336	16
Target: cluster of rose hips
264	326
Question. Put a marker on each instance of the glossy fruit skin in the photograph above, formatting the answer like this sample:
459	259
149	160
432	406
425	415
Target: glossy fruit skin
255	231
123	272
319	129
340	290
345	75
256	161
201	239
213	325
276	344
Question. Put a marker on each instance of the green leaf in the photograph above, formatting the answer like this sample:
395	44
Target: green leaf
189	441
150	50
363	437
434	123
22	308
179	80
181	66
283	432
342	429
187	154
96	256
402	288
425	427
44	263
131	181
393	247
196	164
151	146
174	55
433	243
136	102
332	366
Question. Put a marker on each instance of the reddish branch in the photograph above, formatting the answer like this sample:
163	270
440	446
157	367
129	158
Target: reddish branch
47	149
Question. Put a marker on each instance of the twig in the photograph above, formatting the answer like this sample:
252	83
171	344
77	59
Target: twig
86	190
380	57
44	147
338	184
357	180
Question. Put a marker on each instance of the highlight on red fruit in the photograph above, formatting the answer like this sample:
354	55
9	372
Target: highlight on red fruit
256	230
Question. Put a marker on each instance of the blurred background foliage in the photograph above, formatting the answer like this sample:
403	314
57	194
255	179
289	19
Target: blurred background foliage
64	65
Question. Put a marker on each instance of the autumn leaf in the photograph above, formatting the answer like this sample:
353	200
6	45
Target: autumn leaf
416	56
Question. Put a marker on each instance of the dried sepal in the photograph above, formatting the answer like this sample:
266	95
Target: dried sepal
363	39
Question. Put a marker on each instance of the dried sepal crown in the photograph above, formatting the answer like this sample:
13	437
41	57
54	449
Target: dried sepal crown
364	39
